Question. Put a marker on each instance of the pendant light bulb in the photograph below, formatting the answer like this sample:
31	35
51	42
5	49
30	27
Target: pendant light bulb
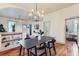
32	10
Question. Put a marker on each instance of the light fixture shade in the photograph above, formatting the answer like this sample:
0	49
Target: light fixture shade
32	10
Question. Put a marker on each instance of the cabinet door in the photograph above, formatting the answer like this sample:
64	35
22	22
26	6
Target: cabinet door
6	38
17	36
6	46
16	43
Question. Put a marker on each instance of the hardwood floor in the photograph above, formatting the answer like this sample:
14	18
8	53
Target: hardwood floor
61	51
70	49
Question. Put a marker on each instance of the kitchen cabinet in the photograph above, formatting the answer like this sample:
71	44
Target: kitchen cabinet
9	40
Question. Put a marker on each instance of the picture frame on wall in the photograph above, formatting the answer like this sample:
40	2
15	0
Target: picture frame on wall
36	26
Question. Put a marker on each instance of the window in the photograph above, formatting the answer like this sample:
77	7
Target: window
27	28
72	25
11	26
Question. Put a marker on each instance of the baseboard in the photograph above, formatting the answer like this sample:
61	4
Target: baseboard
59	43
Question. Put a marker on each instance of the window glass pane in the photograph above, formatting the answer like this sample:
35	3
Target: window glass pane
72	26
11	26
75	26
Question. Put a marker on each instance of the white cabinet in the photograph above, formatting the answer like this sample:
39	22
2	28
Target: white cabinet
9	40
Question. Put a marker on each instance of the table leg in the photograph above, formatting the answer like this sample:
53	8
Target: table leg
54	48
49	48
20	50
45	49
23	51
28	52
35	51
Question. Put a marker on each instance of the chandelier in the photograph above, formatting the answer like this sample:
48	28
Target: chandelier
36	15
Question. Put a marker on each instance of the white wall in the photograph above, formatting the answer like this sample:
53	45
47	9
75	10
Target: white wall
57	19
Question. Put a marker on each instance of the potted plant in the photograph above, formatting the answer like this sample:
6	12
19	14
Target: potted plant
13	28
2	28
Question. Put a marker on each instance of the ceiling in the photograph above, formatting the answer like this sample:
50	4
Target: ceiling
14	12
23	13
46	7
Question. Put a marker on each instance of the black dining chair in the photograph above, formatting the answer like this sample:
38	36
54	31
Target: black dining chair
50	45
38	51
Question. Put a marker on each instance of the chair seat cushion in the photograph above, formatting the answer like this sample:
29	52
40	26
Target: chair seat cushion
49	46
40	47
39	51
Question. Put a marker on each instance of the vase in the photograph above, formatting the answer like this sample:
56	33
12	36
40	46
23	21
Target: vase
39	37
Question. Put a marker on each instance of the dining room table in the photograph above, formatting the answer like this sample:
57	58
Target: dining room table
32	42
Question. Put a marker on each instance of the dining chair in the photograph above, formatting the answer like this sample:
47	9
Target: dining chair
50	45
38	51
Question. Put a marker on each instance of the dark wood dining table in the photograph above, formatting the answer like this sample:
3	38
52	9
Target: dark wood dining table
29	43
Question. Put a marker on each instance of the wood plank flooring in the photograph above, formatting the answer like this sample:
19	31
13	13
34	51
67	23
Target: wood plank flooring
72	48
68	49
61	51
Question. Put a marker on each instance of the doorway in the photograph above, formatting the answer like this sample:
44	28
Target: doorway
72	35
